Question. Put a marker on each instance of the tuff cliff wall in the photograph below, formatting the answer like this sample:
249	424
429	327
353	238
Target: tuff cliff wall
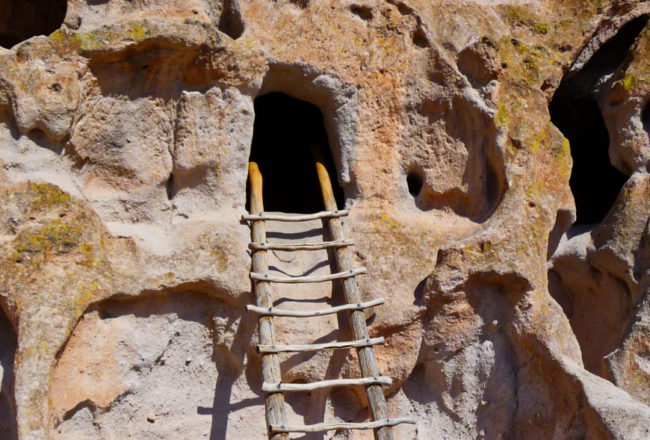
124	141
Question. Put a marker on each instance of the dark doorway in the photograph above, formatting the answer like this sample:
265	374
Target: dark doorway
284	131
8	343
23	19
574	109
645	119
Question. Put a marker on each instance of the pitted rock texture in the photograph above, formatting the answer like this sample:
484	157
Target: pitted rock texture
125	135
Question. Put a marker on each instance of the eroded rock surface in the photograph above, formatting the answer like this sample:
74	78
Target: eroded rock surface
158	366
124	141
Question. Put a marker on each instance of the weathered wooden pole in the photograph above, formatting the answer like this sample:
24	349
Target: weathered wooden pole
376	398
274	402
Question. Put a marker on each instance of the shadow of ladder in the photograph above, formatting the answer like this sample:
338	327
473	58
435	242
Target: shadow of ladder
274	389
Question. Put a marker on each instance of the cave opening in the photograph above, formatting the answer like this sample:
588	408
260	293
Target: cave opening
23	19
414	181
574	109
286	130
645	118
8	344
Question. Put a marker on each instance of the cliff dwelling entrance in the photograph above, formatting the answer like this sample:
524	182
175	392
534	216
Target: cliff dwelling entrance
574	109
284	130
23	19
8	343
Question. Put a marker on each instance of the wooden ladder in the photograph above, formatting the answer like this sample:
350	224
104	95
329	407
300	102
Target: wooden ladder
274	389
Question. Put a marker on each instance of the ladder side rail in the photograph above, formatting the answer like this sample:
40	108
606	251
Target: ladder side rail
376	398
274	402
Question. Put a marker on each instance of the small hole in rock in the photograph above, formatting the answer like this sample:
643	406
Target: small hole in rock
414	181
231	22
420	38
23	19
362	11
403	9
302	4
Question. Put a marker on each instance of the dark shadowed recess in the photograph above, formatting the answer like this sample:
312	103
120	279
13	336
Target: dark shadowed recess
574	109
23	19
8	427
364	12
645	119
415	181
284	130
231	22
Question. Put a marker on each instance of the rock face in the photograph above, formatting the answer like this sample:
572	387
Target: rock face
509	314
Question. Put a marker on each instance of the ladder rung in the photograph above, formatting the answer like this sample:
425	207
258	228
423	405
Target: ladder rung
308	279
295	217
319	427
272	311
284	387
266	348
300	246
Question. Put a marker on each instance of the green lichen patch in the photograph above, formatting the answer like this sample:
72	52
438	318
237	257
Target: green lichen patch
54	237
523	63
635	78
65	41
118	36
541	28
391	223
86	295
46	196
629	81
527	17
57	226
